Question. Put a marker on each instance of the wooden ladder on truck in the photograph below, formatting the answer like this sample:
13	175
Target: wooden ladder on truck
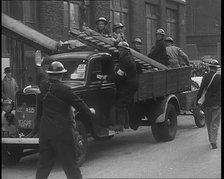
99	42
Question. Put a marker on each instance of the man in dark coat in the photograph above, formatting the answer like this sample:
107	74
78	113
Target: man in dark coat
127	84
212	103
158	53
57	136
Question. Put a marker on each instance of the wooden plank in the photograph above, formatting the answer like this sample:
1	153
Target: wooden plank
148	60
89	38
106	46
184	78
172	80
159	83
101	43
145	90
17	28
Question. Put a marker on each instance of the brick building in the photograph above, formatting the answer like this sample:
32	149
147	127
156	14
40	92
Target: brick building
203	26
54	19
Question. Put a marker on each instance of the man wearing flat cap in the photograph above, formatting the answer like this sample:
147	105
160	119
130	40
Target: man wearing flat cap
9	85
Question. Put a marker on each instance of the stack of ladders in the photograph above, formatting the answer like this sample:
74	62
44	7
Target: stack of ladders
97	41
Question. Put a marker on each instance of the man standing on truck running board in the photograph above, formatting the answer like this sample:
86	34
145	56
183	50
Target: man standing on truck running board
127	84
57	125
158	52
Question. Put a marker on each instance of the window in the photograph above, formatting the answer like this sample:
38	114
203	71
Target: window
74	15
171	23
119	13
152	21
29	11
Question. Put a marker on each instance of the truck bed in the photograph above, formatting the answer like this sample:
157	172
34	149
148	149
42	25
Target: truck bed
154	84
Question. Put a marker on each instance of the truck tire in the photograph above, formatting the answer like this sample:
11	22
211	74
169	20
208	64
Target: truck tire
166	131
81	143
11	155
199	118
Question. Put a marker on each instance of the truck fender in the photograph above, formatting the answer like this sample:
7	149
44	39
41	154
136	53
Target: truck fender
164	103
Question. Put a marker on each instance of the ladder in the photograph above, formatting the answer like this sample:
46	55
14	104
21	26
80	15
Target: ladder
101	43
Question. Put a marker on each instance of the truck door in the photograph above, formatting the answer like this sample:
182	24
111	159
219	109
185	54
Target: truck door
102	94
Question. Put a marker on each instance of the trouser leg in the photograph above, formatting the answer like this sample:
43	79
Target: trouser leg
215	121
46	160
208	116
65	152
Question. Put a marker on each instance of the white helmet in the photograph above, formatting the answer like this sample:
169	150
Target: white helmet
160	31
123	44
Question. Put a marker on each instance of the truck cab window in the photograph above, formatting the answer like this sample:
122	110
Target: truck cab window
102	67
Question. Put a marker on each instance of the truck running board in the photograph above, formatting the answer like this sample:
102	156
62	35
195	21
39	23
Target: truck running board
20	140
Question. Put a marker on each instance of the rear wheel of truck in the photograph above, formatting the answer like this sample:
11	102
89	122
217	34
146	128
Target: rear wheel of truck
166	131
11	155
81	144
199	117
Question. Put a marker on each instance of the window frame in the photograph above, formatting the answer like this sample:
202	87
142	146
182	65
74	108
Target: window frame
154	20
123	12
172	31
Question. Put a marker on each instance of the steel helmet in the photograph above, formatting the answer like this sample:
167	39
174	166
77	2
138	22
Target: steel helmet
169	39
160	31
118	25
123	44
56	68
102	19
214	63
7	102
137	40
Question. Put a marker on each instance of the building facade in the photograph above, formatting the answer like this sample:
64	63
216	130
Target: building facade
54	18
203	27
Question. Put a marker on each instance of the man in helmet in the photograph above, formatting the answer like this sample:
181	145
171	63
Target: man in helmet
158	53
118	35
176	56
137	44
57	134
127	84
101	24
212	103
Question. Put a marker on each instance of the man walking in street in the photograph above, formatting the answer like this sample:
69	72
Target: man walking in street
127	84
57	131
9	85
176	56
211	82
158	52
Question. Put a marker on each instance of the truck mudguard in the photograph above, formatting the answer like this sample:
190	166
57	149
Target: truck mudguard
161	110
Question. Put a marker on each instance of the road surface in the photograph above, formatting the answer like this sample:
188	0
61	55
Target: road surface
135	154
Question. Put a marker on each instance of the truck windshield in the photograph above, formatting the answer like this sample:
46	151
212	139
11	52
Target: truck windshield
76	69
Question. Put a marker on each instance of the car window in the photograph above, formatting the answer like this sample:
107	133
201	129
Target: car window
102	67
76	69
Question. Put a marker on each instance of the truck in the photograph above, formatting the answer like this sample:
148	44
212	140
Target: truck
163	94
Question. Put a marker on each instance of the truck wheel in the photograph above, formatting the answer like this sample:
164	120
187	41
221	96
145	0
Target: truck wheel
11	155
81	144
166	130
199	118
